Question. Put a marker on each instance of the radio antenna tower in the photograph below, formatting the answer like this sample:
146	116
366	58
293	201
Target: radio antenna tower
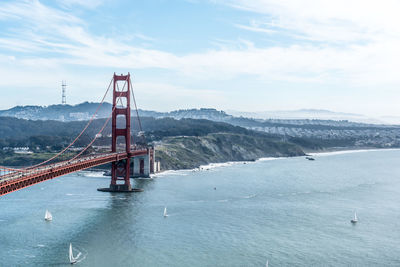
64	96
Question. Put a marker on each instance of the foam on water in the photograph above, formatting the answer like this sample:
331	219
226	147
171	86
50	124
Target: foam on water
221	165
92	173
172	173
271	158
207	167
250	196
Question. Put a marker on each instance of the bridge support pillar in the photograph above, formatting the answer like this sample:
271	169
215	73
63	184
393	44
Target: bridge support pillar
142	166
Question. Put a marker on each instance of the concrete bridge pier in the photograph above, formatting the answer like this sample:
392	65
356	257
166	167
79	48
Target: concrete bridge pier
143	165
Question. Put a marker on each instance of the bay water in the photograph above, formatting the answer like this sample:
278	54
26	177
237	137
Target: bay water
289	211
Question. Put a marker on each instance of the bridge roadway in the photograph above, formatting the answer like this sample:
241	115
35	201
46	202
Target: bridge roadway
20	179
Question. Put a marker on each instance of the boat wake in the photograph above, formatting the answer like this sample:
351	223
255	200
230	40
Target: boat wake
250	196
196	201
30	256
171	172
91	174
81	254
71	194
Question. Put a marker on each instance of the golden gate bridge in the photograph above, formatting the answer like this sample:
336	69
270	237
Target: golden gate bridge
12	179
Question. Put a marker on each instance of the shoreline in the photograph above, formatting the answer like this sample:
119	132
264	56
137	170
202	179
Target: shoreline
327	152
214	165
348	151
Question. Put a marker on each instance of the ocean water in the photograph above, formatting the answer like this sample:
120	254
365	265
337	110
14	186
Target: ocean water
290	211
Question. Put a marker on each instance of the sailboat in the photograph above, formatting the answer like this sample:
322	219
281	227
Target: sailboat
266	265
48	216
354	220
165	212
73	259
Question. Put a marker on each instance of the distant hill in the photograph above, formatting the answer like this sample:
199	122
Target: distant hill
310	114
188	152
184	143
79	112
84	111
300	125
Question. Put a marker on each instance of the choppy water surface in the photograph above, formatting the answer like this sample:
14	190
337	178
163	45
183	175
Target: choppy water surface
291	212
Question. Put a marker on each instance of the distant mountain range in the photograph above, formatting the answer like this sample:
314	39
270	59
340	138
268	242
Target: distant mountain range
312	114
85	110
307	126
82	111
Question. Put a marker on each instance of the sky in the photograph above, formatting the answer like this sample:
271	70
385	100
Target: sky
248	55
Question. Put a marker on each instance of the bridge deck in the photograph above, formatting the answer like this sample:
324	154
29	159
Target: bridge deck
20	179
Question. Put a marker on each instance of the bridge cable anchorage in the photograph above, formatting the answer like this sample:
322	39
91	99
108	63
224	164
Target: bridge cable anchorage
73	142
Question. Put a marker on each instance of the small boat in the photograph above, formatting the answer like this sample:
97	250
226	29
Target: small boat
165	212
266	265
354	220
310	158
48	216
73	259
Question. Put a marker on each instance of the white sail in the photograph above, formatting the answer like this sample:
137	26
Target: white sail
165	212
354	220
48	216
72	259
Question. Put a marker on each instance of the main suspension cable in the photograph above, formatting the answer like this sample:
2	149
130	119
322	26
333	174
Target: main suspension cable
105	124
84	129
137	114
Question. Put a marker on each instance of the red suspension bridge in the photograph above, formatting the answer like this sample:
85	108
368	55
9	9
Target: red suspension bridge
143	158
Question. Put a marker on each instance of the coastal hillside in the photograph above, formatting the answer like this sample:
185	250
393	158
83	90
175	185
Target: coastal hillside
327	132
179	144
187	152
188	143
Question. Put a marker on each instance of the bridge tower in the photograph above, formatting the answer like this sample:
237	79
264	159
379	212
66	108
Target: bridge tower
120	170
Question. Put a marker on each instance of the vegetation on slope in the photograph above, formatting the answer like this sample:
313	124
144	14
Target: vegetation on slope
185	143
186	152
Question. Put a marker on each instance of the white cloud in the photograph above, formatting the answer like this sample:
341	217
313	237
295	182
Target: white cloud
325	20
34	12
67	36
83	3
357	45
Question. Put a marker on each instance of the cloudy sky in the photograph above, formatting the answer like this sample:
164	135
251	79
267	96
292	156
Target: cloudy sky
252	55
